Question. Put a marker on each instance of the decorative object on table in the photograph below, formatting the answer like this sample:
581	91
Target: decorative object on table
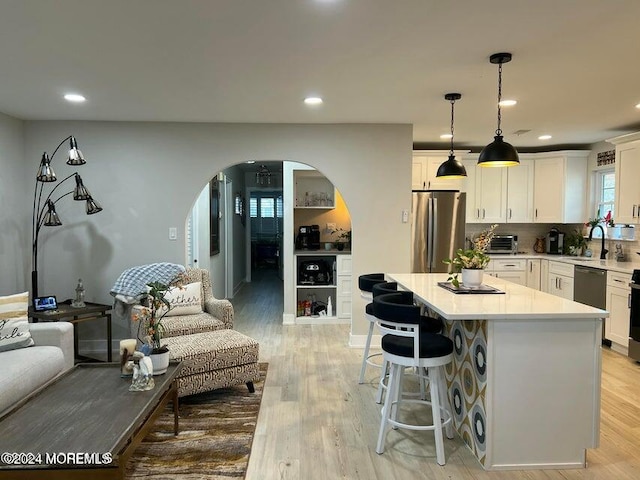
44	211
574	243
499	153
158	306
127	347
142	378
78	302
469	290
539	246
452	168
471	262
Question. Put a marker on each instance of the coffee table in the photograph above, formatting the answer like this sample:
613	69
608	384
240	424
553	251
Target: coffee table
85	424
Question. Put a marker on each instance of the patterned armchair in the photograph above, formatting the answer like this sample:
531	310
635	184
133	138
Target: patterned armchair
216	314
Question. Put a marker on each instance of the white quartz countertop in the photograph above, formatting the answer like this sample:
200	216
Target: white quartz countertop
624	267
517	303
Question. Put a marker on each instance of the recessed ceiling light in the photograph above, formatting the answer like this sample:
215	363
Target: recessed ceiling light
508	103
544	137
446	136
313	101
638	106
74	97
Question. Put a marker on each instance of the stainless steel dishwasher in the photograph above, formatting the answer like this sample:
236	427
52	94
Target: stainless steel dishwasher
590	288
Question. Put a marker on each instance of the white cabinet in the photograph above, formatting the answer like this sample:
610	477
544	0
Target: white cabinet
561	279
560	180
544	275
616	327
520	192
627	202
513	270
425	167
499	195
533	273
314	289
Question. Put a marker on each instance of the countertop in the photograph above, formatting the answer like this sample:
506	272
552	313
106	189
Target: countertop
517	303
595	262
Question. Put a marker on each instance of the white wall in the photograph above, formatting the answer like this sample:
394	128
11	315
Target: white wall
16	197
147	176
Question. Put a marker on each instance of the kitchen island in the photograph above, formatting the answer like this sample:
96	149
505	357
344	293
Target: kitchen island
525	381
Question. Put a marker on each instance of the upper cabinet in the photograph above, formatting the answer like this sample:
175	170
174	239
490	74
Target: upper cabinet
500	195
425	167
627	202
560	180
313	190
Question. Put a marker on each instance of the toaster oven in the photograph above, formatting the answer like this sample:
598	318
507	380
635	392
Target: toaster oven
503	244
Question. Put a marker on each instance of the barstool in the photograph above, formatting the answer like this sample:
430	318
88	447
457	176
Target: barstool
366	284
427	325
405	345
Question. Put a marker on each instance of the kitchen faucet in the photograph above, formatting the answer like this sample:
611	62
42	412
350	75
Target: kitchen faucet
603	251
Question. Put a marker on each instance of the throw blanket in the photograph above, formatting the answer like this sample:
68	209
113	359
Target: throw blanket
132	282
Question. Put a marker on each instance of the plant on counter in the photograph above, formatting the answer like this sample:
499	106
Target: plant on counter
475	258
344	236
574	243
606	220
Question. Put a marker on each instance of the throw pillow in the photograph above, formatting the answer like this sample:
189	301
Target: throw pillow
14	322
185	300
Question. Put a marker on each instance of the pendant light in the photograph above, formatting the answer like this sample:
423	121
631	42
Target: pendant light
452	168
499	153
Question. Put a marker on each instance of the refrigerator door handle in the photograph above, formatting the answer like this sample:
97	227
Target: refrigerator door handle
431	236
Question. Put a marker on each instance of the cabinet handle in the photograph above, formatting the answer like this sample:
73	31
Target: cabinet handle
536	213
559	283
509	264
531	267
424	185
616	280
483	213
478	216
429	184
634	211
629	301
510	213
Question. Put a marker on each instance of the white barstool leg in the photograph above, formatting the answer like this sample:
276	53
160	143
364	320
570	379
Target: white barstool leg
444	403
383	375
434	387
392	387
366	353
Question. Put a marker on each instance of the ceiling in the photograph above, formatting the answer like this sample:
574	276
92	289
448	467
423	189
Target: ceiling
574	72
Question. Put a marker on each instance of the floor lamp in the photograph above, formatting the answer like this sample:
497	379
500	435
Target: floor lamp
44	210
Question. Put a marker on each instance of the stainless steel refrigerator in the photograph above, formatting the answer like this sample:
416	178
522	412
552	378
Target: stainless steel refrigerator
437	228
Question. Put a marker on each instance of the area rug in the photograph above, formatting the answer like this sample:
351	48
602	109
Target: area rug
216	432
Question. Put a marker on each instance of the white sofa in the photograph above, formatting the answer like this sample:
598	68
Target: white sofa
24	370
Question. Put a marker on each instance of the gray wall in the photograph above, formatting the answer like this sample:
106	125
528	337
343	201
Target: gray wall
147	176
16	197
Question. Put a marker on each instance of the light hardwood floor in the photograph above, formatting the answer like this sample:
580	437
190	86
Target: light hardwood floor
316	422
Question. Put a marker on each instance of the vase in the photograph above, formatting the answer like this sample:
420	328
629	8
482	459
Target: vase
160	362
472	278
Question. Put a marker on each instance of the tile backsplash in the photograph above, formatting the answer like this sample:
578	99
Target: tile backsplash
528	232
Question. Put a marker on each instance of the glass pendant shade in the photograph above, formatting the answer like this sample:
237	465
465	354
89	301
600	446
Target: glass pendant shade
451	168
75	155
92	206
51	218
45	172
498	154
80	192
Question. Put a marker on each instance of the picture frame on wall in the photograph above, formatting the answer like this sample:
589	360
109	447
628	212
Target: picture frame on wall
214	218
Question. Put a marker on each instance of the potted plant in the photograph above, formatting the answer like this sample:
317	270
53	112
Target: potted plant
574	243
151	316
471	262
343	238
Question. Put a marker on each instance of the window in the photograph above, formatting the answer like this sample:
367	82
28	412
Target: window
605	193
266	210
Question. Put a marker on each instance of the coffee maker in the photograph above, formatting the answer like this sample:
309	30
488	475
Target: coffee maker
308	237
555	241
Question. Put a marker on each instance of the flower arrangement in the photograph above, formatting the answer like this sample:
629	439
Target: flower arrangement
475	258
152	315
607	220
342	235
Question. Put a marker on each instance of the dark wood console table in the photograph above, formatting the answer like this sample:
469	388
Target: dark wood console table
92	311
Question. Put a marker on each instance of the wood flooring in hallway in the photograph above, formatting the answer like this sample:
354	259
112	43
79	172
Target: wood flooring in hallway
317	422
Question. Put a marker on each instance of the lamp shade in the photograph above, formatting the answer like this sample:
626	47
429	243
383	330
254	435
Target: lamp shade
92	206
51	218
75	156
451	168
45	172
498	154
80	192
